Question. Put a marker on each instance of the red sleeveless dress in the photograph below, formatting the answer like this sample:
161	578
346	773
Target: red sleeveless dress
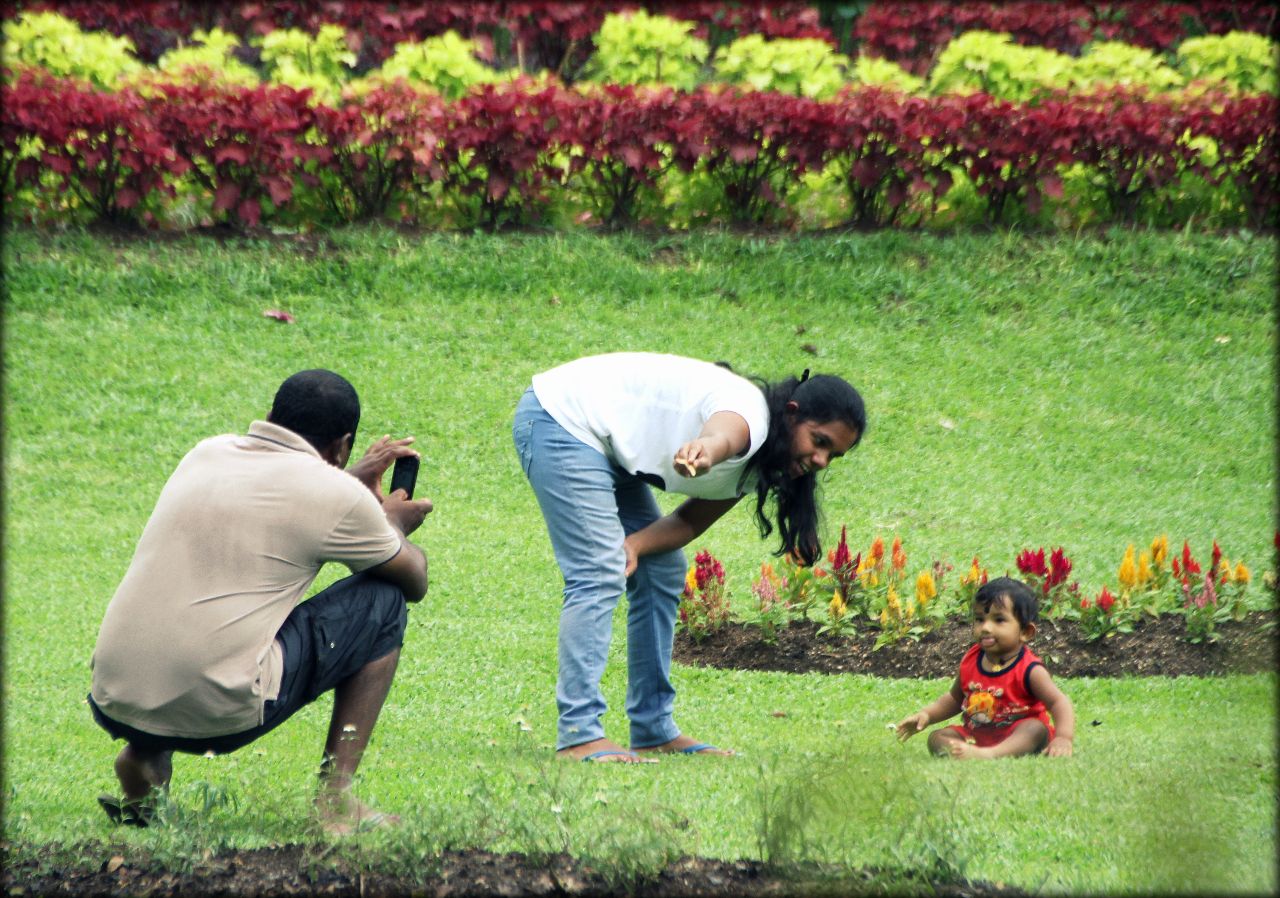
995	703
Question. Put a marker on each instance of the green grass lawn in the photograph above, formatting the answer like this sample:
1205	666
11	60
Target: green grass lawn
1085	392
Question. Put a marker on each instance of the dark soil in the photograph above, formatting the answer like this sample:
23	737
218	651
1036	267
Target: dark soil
464	874
1156	647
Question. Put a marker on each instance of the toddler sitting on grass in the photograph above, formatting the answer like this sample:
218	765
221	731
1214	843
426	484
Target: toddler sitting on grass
1010	704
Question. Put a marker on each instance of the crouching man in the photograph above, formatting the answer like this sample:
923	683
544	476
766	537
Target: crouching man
207	644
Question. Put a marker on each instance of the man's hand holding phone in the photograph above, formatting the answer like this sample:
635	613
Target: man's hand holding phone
401	509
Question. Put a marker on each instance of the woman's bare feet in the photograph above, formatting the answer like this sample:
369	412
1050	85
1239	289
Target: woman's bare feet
602	751
685	745
340	813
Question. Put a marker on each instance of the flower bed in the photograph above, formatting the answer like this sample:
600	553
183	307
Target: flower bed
868	613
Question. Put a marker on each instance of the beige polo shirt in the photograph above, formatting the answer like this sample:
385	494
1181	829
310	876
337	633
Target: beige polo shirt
242	527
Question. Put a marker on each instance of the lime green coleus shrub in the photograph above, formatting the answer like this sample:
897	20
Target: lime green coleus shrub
1105	63
447	64
884	73
639	48
804	67
209	57
1240	59
322	62
993	64
58	45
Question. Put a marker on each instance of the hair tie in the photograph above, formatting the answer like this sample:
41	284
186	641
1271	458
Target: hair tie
805	376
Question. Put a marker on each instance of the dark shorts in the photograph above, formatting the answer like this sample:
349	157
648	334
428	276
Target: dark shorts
325	640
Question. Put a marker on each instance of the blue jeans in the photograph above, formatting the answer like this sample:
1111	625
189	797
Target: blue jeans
590	505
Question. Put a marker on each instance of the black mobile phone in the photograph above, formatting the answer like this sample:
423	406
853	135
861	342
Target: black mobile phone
405	474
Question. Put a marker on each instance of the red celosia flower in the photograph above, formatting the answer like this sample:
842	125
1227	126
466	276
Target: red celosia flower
840	560
1032	563
1084	604
1059	567
1189	565
1217	556
1105	601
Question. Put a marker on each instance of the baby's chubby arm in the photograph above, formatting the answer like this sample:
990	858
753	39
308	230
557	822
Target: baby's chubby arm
1060	707
943	707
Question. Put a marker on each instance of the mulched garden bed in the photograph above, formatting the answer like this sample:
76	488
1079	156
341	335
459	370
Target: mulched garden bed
1157	647
461	874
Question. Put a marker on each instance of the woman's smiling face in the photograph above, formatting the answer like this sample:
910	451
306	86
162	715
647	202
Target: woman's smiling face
814	444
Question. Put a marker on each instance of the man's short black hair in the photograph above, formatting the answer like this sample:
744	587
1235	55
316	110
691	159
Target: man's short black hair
1022	598
318	405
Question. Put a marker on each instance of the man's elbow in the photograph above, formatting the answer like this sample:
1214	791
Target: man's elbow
417	591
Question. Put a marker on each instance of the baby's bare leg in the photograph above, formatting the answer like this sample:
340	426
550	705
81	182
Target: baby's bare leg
1027	738
944	741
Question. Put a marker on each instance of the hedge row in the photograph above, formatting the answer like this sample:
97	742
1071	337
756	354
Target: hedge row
539	34
912	33
551	33
503	153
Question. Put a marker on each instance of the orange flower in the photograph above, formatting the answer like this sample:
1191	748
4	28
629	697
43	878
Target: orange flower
1242	574
877	551
899	556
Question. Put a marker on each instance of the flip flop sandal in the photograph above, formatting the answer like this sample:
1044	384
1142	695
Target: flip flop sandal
595	756
128	813
697	747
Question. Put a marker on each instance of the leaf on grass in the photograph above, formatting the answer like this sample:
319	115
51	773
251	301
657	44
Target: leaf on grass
115	864
279	315
946	424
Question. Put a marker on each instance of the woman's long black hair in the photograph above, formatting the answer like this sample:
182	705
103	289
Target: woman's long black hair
822	398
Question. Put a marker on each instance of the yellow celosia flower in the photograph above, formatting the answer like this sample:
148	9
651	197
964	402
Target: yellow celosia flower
926	588
1160	550
837	607
691	580
1144	569
1242	574
1225	570
894	605
1128	570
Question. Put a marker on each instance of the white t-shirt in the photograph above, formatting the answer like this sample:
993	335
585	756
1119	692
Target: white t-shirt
638	408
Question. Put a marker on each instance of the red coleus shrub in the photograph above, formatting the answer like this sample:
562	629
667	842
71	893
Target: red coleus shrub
750	143
624	134
1136	141
102	147
496	147
881	143
1244	130
381	144
1012	150
244	145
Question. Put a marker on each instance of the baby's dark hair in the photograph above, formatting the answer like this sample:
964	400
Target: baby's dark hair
1021	597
